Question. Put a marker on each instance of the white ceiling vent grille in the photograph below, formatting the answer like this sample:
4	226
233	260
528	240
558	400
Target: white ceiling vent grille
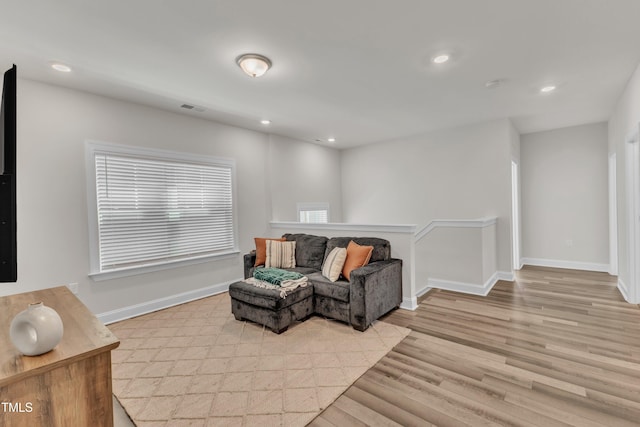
193	107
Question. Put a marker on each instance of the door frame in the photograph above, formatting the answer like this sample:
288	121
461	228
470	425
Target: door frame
516	233
613	215
632	175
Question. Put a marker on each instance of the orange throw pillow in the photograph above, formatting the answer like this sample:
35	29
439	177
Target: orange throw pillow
357	256
261	249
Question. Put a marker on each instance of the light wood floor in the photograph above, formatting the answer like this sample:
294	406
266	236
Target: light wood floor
558	347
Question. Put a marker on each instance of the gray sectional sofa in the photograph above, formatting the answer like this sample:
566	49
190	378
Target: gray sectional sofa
374	289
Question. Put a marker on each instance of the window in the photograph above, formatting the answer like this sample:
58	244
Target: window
313	212
154	209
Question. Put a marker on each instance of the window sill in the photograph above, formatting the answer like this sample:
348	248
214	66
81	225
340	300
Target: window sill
149	268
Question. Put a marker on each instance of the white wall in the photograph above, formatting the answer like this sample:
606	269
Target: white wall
623	123
53	124
461	173
444	244
565	214
458	255
302	172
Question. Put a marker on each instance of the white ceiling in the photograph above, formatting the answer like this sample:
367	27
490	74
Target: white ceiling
356	70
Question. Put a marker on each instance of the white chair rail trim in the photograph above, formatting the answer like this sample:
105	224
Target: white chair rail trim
455	223
388	228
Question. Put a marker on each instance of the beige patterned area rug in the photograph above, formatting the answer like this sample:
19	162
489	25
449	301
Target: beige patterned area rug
195	365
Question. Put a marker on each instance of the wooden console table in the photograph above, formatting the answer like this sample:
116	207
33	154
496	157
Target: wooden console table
68	386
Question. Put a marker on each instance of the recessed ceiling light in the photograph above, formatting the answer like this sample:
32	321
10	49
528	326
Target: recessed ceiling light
61	67
493	84
441	59
548	89
265	122
331	140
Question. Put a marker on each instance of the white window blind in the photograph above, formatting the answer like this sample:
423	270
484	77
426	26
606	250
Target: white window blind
314	216
159	210
313	212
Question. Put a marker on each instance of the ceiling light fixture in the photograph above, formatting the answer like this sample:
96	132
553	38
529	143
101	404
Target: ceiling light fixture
253	65
548	89
331	140
441	59
61	67
265	122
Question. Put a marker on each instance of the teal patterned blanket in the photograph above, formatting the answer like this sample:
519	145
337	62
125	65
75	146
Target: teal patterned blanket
276	276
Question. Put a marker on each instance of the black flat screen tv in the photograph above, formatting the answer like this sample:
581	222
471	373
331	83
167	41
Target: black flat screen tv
8	123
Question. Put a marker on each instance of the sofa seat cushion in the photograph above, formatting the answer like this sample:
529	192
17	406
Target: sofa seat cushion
338	290
268	298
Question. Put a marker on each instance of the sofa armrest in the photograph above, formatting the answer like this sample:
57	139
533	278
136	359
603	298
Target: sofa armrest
376	289
249	262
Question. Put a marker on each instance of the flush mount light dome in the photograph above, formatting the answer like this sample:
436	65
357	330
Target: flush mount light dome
253	64
265	122
441	59
548	89
331	140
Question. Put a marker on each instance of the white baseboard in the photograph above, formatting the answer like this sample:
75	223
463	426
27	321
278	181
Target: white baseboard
623	290
409	303
626	294
161	303
467	288
508	276
423	291
572	265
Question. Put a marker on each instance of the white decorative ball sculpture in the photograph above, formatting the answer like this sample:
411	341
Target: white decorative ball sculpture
36	330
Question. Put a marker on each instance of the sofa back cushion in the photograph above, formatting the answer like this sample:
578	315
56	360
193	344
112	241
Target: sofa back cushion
310	249
381	247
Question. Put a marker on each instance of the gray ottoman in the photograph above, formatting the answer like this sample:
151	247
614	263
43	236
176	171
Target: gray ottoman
266	307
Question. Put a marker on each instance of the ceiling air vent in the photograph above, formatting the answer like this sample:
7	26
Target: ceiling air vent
193	107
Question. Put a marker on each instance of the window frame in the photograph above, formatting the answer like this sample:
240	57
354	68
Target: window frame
313	206
94	147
